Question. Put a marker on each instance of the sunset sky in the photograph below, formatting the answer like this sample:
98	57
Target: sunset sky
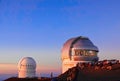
39	28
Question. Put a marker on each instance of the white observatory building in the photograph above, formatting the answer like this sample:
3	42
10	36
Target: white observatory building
77	50
26	68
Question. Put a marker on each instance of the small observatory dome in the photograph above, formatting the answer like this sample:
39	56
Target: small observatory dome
78	49
26	68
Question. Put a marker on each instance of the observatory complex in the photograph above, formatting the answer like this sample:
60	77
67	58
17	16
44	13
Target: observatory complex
77	50
26	68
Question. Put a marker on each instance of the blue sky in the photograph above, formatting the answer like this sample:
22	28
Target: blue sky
39	28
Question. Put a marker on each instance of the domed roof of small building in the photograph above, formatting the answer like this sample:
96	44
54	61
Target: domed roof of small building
27	61
78	43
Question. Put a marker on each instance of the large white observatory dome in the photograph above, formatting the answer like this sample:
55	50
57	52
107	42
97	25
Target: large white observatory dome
26	68
78	49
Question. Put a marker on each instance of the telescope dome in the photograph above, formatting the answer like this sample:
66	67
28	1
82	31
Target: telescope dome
78	49
26	67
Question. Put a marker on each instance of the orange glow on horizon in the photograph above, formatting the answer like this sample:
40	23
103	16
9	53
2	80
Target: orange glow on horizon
12	69
45	69
8	68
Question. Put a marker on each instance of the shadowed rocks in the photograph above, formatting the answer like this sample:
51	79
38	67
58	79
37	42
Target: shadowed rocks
109	73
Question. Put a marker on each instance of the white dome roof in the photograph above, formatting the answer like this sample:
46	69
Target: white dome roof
26	68
78	43
27	61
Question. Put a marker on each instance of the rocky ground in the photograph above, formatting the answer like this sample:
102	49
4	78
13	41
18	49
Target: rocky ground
91	74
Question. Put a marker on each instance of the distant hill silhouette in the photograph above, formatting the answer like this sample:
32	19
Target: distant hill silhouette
27	79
